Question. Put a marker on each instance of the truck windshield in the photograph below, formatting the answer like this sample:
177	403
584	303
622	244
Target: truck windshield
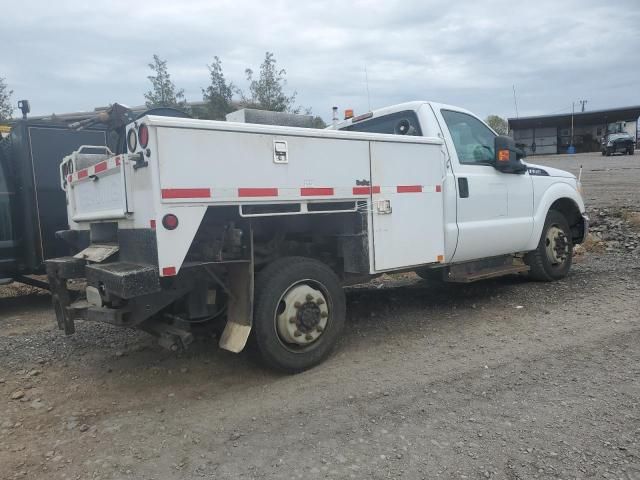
472	138
398	123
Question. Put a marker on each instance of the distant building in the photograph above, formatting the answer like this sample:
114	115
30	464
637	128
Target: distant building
549	134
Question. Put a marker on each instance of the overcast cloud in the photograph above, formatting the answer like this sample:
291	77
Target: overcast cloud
75	55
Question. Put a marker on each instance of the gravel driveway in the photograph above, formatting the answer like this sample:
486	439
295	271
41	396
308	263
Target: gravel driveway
499	379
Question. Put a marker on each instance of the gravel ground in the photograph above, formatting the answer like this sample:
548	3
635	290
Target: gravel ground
498	379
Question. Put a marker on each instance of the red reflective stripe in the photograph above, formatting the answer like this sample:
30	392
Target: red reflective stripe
366	190
152	223
438	188
100	167
168	271
313	191
69	178
82	174
257	192
409	188
117	161
186	193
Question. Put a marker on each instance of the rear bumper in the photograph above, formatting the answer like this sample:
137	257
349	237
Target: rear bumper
124	293
124	280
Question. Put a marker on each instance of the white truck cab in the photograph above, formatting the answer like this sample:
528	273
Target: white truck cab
487	211
201	226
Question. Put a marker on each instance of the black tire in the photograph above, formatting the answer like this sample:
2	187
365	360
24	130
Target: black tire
631	150
544	268
272	284
608	153
603	153
430	274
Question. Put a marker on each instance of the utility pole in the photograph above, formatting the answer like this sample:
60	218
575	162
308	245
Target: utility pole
583	103
515	100
573	107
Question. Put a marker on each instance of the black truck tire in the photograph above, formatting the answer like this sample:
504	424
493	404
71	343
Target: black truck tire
299	313
552	258
432	275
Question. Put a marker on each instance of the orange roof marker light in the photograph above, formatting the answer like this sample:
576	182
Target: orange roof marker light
348	113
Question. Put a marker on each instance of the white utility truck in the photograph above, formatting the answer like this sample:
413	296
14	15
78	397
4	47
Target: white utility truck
255	229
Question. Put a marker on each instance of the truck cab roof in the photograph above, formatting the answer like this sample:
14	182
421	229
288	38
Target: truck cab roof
414	105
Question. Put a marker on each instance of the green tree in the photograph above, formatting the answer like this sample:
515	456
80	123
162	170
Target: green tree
499	124
6	108
219	94
267	92
163	92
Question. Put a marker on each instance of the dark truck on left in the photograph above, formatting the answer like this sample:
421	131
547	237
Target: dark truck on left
32	204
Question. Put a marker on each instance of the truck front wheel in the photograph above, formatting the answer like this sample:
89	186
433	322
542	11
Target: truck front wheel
299	313
551	260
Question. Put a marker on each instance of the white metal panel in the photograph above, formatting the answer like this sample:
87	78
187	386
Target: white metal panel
217	164
410	179
99	198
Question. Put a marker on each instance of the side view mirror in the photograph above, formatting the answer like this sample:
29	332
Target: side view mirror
508	156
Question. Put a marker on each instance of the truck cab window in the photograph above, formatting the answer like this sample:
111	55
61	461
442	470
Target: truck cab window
472	139
398	123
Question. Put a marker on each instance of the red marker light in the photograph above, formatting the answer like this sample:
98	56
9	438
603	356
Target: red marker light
143	135
170	221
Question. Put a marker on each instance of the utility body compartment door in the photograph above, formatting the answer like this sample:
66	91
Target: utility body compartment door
407	209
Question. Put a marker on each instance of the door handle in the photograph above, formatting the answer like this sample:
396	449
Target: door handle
463	187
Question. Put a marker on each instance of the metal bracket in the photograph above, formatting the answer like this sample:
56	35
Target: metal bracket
140	161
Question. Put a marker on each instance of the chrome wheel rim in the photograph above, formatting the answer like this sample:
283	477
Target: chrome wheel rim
557	246
302	316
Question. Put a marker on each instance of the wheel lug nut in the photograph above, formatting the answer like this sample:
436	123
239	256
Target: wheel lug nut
319	329
309	297
297	304
308	336
297	333
324	314
320	301
292	320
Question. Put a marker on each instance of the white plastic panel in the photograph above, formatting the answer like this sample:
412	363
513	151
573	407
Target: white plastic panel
407	213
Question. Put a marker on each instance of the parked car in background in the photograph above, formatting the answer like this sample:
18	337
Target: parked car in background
618	143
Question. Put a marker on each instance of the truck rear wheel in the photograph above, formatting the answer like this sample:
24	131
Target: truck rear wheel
299	313
551	260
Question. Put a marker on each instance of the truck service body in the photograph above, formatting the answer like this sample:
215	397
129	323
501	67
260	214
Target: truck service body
254	229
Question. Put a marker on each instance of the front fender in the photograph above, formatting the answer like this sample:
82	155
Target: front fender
554	192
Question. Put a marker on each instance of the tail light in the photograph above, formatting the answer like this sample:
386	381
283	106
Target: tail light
143	135
132	140
170	221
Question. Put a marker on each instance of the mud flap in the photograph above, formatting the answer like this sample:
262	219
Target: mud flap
240	309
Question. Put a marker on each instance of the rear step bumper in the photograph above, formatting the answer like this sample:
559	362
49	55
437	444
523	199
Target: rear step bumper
129	282
123	279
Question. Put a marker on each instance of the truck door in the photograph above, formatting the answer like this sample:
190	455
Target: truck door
494	210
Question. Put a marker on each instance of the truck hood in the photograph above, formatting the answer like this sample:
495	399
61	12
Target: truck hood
541	170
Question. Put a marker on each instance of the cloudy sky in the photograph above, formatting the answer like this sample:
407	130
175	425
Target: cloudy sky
75	55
